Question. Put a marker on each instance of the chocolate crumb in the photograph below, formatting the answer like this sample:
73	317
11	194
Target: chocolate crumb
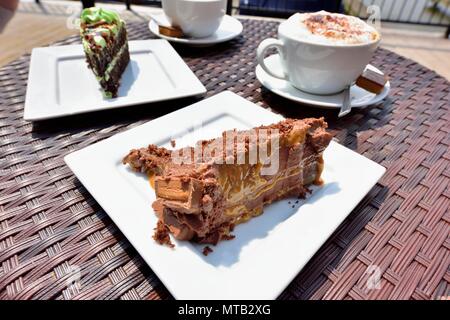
289	202
207	250
161	235
296	201
293	206
173	143
228	236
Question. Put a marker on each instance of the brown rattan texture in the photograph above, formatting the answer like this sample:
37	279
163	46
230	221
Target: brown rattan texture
52	231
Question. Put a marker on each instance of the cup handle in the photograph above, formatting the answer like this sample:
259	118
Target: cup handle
261	52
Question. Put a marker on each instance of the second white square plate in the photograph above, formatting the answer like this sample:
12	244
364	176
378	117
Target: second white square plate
268	251
60	82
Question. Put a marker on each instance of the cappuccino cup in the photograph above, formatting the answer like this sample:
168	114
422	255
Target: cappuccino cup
321	53
196	18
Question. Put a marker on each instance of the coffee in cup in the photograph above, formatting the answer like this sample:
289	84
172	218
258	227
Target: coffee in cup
321	52
196	18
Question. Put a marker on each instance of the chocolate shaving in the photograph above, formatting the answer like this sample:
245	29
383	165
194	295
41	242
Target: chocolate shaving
161	234
207	250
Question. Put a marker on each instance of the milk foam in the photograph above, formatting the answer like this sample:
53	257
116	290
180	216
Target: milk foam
355	30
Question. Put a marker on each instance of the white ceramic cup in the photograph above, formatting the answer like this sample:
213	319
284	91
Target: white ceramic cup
315	67
197	18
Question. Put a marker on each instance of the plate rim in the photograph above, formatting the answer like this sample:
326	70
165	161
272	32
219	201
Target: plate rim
198	41
259	72
33	109
170	280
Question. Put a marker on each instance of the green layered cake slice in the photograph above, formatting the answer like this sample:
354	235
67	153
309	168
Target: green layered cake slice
105	44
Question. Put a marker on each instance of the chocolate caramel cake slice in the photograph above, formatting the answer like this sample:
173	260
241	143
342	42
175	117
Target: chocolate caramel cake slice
105	44
204	191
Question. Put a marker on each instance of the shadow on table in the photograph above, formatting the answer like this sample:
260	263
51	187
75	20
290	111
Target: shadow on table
107	119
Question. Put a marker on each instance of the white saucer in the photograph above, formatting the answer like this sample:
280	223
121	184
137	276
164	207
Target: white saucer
359	97
229	28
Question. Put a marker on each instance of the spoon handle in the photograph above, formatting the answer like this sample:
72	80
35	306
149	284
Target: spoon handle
346	105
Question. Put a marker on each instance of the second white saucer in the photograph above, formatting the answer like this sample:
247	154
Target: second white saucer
359	97
229	28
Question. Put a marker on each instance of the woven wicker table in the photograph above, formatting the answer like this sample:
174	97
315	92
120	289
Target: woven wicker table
56	242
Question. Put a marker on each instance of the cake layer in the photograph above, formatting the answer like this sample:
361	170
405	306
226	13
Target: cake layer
111	79
204	191
105	44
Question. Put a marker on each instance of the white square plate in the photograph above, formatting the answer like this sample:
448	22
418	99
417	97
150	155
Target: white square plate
268	251
60	82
